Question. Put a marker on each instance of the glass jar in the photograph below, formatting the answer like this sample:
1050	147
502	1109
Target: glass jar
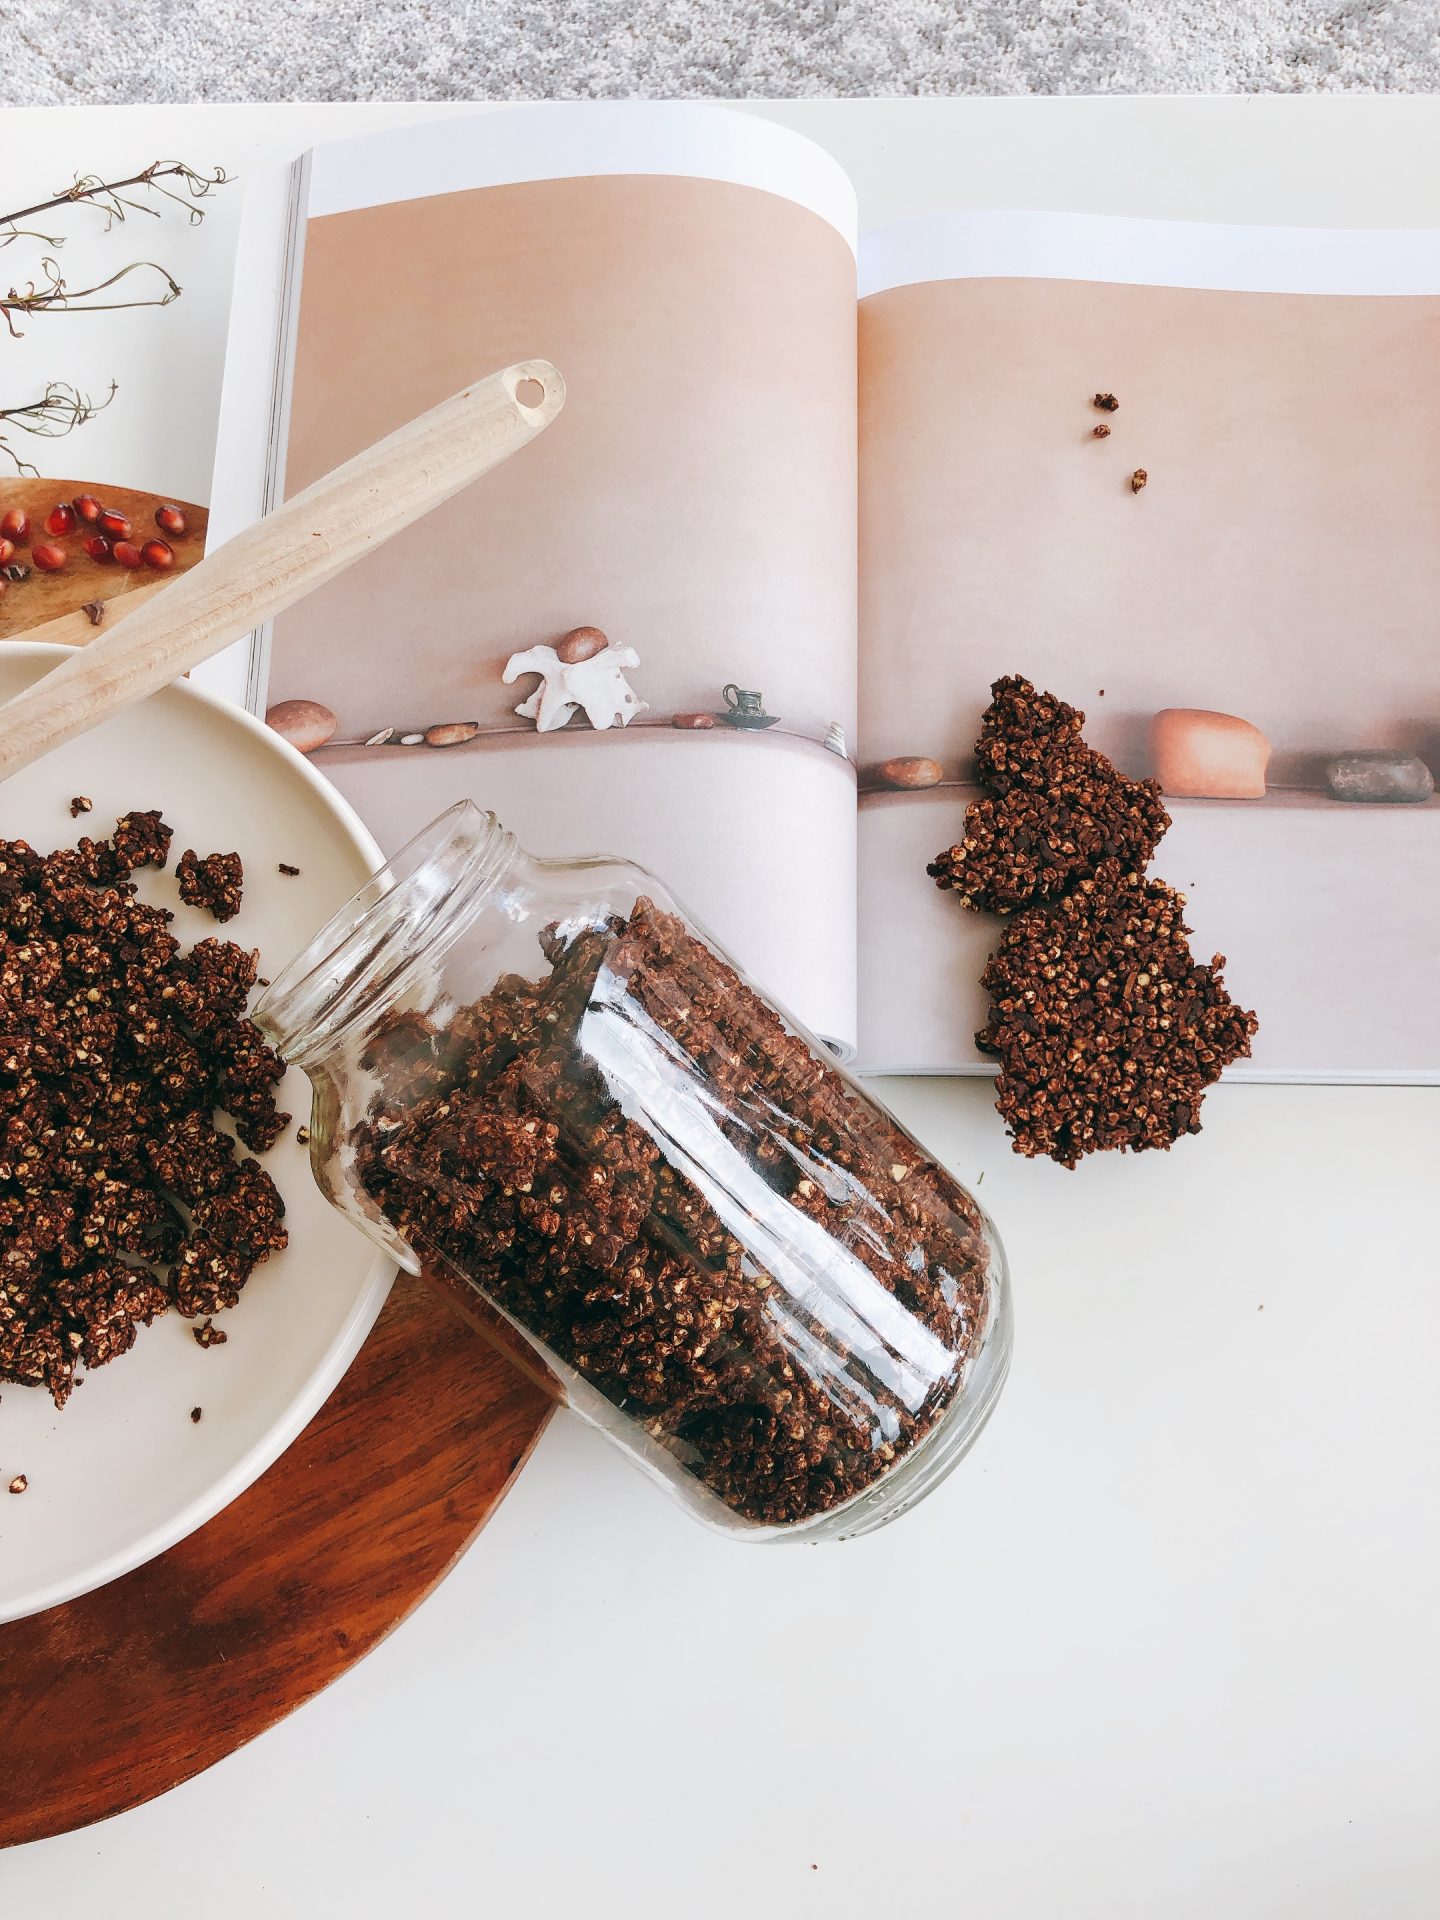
539	1080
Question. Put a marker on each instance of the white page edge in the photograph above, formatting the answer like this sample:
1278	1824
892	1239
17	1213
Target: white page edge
509	145
1153	253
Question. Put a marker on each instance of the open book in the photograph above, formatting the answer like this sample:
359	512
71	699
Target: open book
860	481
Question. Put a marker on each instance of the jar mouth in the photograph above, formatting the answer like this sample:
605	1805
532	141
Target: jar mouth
367	952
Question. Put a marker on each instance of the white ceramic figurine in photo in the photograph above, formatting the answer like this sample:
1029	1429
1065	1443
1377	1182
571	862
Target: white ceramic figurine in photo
597	684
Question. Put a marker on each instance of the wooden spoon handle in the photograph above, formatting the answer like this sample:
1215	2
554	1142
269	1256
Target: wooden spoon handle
269	566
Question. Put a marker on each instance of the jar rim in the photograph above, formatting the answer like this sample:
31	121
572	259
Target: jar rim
366	953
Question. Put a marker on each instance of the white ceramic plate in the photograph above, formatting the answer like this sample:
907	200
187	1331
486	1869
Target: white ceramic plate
122	1473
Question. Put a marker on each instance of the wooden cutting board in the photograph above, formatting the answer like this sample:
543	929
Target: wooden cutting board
45	596
121	1694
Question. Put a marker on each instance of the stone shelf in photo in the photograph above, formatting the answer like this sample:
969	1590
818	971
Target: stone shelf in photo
643	726
1328	913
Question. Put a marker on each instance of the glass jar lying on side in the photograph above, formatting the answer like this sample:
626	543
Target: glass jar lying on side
539	1077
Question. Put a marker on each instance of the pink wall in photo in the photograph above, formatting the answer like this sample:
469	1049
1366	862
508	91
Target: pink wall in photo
1282	563
696	498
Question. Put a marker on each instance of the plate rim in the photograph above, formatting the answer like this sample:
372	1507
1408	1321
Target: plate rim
372	1295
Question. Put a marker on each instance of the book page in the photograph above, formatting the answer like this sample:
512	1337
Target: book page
1281	392
692	275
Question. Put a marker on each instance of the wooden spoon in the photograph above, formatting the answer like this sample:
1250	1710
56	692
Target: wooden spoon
269	566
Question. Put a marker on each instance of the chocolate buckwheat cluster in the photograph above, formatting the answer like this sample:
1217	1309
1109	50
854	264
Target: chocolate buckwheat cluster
552	1142
1054	809
119	1196
1107	1029
215	883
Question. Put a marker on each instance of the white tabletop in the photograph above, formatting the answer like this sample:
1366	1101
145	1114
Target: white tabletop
1164	1645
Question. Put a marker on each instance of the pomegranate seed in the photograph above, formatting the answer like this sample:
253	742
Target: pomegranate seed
99	549
7	552
15	525
113	523
87	507
61	519
49	559
158	554
170	520
127	555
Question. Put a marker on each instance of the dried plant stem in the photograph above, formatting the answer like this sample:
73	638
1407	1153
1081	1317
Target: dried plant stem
52	295
109	195
58	411
62	407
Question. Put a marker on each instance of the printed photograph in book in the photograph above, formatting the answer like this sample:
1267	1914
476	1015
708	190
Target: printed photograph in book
739	613
1208	519
639	636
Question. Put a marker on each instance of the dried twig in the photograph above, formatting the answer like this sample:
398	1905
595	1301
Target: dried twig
112	198
9	235
53	295
58	411
62	407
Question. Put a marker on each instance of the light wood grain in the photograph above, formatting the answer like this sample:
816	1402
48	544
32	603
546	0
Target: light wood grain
269	566
44	597
122	1694
78	629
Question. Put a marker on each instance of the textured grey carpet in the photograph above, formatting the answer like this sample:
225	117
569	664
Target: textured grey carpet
183	50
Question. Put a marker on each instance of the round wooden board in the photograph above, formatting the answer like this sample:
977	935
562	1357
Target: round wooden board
127	1691
45	596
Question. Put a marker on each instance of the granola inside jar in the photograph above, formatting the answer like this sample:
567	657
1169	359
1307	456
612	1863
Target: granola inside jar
540	1082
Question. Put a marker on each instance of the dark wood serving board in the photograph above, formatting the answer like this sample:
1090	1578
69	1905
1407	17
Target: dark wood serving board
121	1694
